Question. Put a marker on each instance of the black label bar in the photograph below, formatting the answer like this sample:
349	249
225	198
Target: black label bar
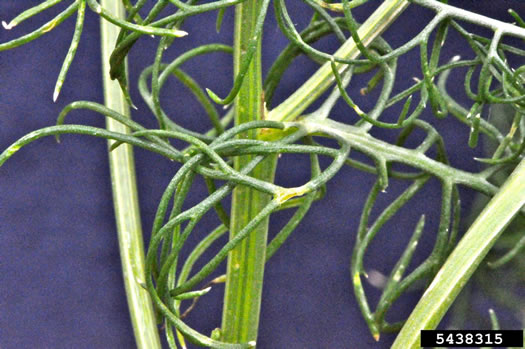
471	338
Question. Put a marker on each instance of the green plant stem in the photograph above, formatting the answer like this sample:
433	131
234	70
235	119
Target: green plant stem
465	259
245	268
125	198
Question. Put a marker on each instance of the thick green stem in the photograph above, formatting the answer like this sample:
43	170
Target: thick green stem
246	263
125	198
464	260
242	300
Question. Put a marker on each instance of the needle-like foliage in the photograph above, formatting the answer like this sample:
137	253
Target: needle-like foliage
490	80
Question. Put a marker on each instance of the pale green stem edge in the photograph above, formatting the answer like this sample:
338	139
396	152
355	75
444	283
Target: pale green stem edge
464	260
125	198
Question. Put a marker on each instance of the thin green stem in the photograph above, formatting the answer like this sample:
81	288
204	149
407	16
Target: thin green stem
245	268
125	197
465	259
380	150
316	85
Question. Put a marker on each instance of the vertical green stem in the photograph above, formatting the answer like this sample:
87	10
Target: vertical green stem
125	198
242	300
246	263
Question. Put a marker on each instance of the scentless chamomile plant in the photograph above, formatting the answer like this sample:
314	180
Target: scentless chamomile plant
387	136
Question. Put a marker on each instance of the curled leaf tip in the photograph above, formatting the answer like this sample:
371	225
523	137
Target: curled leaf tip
193	294
56	94
213	96
179	33
219	279
376	337
8	26
517	17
